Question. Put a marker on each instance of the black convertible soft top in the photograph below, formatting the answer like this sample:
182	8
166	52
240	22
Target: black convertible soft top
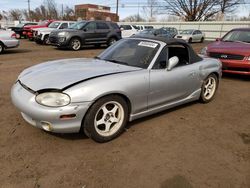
193	57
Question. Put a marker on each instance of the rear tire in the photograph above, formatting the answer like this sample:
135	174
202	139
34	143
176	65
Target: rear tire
202	40
1	48
106	118
209	88
75	44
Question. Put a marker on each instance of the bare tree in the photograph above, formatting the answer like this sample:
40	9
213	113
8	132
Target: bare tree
150	10
193	10
133	18
16	14
227	6
51	7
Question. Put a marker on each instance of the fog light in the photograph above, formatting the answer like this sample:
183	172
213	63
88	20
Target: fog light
62	39
46	126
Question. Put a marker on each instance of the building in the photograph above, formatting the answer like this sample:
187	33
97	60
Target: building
95	12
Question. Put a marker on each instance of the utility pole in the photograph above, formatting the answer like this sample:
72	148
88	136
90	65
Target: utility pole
117	5
62	11
28	7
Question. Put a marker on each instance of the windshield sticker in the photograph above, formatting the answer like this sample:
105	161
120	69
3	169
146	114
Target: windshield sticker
147	44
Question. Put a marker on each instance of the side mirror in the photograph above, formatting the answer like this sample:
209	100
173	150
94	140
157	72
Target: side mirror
172	62
217	39
85	29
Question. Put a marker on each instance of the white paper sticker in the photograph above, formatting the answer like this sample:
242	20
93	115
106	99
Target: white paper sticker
148	44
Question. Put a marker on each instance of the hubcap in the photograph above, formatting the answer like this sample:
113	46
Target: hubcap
209	88
109	118
76	44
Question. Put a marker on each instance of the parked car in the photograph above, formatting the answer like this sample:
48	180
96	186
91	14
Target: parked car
18	29
28	29
7	40
128	30
133	78
233	50
191	35
86	33
41	35
168	32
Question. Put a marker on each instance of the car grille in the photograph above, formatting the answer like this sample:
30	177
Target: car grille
236	69
226	56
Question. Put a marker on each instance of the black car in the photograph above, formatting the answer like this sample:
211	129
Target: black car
167	32
86	33
19	29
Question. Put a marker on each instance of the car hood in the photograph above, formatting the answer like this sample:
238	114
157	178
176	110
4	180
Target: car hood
230	47
43	29
34	26
60	74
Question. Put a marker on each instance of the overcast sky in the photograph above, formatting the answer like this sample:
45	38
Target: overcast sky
127	7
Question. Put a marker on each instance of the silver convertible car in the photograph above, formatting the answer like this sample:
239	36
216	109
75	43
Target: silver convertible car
133	78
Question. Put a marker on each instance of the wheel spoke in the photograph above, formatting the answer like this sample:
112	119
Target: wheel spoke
114	119
101	121
107	126
114	109
105	110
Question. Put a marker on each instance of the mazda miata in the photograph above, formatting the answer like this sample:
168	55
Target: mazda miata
133	78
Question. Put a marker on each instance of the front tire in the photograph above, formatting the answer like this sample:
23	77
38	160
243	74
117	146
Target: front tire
75	44
209	88
46	40
190	40
106	118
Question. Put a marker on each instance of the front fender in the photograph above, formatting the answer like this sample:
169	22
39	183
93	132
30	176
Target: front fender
134	85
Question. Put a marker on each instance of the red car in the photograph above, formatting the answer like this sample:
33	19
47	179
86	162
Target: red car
233	50
28	28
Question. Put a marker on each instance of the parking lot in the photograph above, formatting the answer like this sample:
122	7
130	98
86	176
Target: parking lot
195	145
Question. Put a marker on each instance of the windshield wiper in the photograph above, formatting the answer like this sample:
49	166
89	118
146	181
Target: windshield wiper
116	61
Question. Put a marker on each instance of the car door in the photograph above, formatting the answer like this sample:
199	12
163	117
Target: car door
196	36
63	26
167	87
89	33
102	31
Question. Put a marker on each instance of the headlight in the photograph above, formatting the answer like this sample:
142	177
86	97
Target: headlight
203	51
53	99
62	34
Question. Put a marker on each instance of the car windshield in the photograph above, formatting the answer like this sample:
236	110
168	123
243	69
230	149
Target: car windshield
186	32
77	25
237	36
54	24
20	25
131	52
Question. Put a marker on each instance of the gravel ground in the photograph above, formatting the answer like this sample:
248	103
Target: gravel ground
192	146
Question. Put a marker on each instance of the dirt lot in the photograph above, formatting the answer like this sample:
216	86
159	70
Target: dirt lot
196	145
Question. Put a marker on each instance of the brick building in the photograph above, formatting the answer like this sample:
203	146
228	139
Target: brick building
96	12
